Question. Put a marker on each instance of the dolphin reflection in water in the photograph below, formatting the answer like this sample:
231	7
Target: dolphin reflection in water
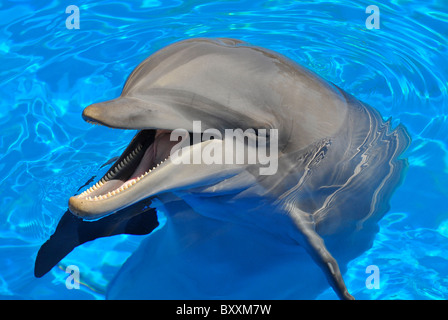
230	231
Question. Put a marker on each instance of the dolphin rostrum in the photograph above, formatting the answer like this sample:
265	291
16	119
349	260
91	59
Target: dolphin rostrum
338	161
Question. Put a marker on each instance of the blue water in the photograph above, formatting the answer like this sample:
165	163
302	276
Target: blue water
49	73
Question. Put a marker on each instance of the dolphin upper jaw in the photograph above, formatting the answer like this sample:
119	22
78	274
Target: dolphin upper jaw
127	113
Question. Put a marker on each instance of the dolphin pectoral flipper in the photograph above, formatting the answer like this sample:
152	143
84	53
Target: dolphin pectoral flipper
71	231
315	247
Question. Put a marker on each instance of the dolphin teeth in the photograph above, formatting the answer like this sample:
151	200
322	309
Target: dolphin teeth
109	194
95	198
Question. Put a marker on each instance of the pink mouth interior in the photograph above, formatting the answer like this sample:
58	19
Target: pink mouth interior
157	152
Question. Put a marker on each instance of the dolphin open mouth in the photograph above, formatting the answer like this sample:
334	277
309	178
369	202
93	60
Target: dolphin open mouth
146	153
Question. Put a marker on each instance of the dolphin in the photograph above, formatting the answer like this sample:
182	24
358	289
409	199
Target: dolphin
338	160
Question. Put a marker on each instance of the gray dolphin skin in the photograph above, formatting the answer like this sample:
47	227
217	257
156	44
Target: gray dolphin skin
338	161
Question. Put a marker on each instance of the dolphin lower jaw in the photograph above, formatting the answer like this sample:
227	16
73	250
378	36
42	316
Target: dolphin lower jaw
147	153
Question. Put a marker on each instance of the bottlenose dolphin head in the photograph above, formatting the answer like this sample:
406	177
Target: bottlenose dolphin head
222	84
